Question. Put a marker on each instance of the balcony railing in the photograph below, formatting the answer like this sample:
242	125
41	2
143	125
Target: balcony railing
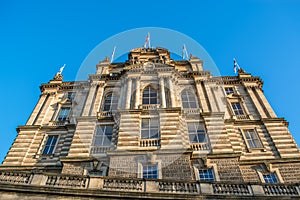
200	146
154	186
15	177
242	117
67	181
191	110
149	142
280	190
57	123
121	184
149	106
104	114
97	150
234	189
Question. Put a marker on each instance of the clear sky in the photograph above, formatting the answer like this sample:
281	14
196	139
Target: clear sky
38	37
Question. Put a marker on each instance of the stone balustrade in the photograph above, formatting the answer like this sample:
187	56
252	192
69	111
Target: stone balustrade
232	189
57	123
149	142
149	106
99	149
191	110
15	177
66	181
200	146
242	117
148	185
104	114
281	190
122	184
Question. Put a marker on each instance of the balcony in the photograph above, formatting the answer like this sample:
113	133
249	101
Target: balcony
191	111
57	123
92	186
149	106
149	142
104	114
200	146
99	149
150	188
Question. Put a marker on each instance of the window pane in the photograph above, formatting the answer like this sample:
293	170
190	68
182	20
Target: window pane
252	138
270	178
188	99
150	128
206	175
150	171
103	135
50	144
63	114
149	96
196	132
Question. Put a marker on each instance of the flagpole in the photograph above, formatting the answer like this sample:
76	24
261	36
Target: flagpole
113	54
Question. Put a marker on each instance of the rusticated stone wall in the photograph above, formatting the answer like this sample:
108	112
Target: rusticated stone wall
73	168
228	169
123	166
290	172
249	173
175	166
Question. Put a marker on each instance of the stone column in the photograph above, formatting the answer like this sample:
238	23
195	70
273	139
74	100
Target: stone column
128	95
121	97
137	93
265	103
258	106
173	100
162	90
89	100
202	98
37	109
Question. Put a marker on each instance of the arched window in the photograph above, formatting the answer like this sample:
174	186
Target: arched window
149	96
188	99
110	102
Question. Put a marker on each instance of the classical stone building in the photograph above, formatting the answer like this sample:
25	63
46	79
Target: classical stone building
152	127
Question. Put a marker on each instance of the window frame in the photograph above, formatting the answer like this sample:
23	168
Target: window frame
63	117
207	179
156	176
150	128
229	90
255	134
51	144
197	132
103	136
269	179
146	100
238	109
188	94
112	104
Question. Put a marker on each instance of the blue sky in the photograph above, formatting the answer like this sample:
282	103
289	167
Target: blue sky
38	37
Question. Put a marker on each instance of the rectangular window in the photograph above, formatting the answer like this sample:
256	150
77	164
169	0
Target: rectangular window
63	114
237	108
252	138
270	178
150	128
50	144
71	95
103	135
206	175
196	132
150	171
229	90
